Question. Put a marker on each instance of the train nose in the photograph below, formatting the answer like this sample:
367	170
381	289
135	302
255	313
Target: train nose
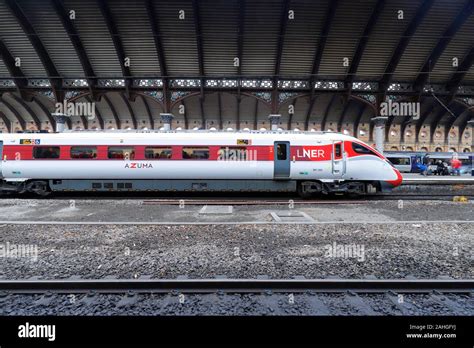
398	181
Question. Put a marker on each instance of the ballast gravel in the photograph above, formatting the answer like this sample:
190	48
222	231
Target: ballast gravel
346	250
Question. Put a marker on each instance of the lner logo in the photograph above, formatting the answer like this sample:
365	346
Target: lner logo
312	153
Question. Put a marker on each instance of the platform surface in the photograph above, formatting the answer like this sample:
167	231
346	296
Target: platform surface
414	178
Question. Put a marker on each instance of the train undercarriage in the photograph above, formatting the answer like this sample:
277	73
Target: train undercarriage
305	189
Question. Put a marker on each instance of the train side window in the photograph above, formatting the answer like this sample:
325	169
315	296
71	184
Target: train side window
46	152
338	150
399	161
83	152
362	149
158	152
121	152
198	153
281	152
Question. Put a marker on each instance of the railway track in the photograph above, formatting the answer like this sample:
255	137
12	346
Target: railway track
298	201
200	286
212	200
238	297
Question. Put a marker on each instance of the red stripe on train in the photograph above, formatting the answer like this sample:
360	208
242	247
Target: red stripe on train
259	153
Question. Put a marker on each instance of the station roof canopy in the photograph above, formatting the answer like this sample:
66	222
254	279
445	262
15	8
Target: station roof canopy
230	63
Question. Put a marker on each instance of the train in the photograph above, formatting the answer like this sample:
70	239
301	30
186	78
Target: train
307	163
408	162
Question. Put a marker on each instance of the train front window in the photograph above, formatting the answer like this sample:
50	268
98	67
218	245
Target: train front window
158	153
121	152
362	149
197	153
46	152
83	152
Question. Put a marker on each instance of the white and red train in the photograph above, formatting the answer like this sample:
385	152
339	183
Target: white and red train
303	162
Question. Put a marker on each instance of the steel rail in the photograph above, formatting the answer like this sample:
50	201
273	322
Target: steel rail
237	285
362	200
332	200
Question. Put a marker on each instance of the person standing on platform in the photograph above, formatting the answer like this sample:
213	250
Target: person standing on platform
456	164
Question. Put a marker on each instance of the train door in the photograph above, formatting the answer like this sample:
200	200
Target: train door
415	161
281	160
338	159
1	157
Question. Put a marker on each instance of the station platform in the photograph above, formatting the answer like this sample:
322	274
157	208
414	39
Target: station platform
418	179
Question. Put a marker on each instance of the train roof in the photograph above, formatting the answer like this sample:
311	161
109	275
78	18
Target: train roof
178	134
429	154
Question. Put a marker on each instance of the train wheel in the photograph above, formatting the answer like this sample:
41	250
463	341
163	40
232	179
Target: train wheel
308	189
41	188
304	194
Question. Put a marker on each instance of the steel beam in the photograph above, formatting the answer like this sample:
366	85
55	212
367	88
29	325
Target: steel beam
237	121
279	52
240	39
402	45
326	112
185	115
46	111
97	112
290	116
255	115
30	112
466	120
439	116
152	18
117	41
21	82
455	81
201	108
73	34
343	114
310	109
464	116
148	112
324	35
6	121
281	36
363	43
419	123
111	106
53	74
362	108
219	106
197	26
15	113
130	110
443	42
